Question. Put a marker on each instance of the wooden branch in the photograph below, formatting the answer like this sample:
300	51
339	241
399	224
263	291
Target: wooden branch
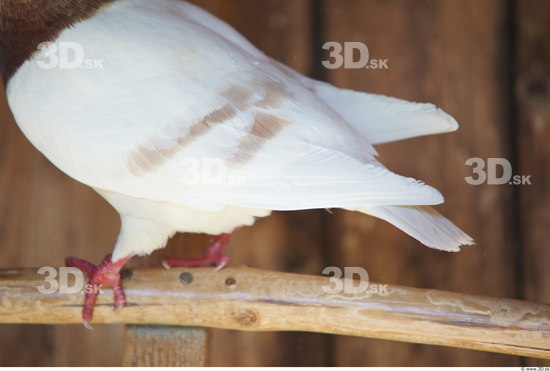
250	299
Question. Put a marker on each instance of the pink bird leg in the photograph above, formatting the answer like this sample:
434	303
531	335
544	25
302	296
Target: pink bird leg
212	256
106	274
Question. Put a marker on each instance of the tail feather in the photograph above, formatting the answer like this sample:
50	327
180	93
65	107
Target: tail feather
423	223
382	119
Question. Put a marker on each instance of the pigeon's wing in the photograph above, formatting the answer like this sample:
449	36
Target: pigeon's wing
271	144
197	117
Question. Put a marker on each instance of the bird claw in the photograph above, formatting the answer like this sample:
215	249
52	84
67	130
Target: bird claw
87	325
212	256
221	263
106	274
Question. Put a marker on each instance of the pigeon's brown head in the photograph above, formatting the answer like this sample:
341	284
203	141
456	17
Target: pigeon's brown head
25	24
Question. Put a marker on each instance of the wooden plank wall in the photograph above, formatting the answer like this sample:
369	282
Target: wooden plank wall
532	99
487	63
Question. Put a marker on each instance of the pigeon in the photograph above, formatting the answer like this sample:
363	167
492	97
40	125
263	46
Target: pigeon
183	125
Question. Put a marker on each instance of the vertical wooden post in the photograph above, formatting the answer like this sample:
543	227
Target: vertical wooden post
166	346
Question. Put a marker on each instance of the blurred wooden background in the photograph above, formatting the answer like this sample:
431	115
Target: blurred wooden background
486	62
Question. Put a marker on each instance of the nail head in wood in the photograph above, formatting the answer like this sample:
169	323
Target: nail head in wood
186	278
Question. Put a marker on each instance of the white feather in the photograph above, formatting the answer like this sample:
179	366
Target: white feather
423	223
322	178
384	119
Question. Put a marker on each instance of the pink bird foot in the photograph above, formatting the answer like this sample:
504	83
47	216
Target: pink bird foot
212	256
106	274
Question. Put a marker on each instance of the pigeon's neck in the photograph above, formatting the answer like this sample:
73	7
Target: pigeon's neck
24	24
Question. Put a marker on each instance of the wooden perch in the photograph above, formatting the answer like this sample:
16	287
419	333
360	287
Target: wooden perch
250	299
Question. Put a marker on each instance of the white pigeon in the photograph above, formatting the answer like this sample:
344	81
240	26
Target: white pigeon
182	125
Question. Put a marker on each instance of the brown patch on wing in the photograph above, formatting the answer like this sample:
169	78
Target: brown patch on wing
238	95
265	127
206	124
143	159
24	24
275	93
